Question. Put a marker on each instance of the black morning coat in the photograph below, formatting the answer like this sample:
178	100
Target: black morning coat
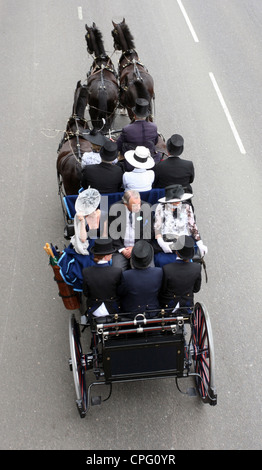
180	281
105	177
174	170
100	285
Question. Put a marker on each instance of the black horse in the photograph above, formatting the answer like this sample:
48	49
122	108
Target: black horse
73	144
102	83
135	81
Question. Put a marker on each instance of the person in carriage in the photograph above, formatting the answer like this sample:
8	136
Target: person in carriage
97	140
89	224
140	132
182	278
106	177
140	286
100	282
142	176
174	169
174	217
129	220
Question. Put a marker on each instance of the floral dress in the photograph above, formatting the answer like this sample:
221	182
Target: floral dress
173	221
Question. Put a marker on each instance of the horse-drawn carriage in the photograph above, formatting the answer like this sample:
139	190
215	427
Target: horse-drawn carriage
125	349
122	347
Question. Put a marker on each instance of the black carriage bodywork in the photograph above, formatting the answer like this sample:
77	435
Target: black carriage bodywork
136	349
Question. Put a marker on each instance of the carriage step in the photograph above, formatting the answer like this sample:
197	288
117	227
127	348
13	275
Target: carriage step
96	401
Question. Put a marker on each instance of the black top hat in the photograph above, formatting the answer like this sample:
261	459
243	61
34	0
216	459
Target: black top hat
184	247
95	137
141	108
103	246
142	254
109	151
175	145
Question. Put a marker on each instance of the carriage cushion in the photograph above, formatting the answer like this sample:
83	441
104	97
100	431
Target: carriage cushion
151	197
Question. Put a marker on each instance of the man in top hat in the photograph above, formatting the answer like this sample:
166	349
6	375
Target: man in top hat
140	131
97	140
105	176
174	170
174	217
100	282
139	287
142	176
182	278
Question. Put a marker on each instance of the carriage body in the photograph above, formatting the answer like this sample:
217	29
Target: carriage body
127	349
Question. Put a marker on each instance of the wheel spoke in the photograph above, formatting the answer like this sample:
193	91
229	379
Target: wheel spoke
201	333
77	367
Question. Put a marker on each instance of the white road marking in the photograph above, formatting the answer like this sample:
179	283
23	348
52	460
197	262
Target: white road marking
189	24
227	113
80	13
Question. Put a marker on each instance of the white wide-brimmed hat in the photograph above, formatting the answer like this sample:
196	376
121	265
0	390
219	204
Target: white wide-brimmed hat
87	201
175	193
140	158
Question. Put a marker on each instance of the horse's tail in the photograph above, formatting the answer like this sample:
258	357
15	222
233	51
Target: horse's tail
142	91
80	100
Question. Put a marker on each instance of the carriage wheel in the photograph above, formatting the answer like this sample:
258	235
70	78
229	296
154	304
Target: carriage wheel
76	363
203	354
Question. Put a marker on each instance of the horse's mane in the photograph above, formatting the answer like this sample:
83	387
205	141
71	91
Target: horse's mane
128	36
100	42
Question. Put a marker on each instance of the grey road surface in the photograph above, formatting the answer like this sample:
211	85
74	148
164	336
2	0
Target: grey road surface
43	55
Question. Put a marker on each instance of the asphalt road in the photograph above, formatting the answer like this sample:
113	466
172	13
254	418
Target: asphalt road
43	55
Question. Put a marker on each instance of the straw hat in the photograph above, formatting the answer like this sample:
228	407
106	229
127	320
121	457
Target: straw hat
140	158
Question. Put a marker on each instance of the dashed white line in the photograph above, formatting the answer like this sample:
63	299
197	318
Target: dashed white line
189	24
80	13
227	113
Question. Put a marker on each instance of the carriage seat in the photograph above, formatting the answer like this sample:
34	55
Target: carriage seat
151	197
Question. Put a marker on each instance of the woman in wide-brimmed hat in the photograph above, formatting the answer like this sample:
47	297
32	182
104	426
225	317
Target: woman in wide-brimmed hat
87	224
174	217
142	176
97	140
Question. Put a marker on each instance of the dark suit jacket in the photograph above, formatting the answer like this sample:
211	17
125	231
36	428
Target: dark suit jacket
180	281
139	289
105	177
100	284
144	224
174	170
138	133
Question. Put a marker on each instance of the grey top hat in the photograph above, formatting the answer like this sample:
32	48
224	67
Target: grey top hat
142	254
109	151
184	247
175	145
141	108
103	246
175	193
87	201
